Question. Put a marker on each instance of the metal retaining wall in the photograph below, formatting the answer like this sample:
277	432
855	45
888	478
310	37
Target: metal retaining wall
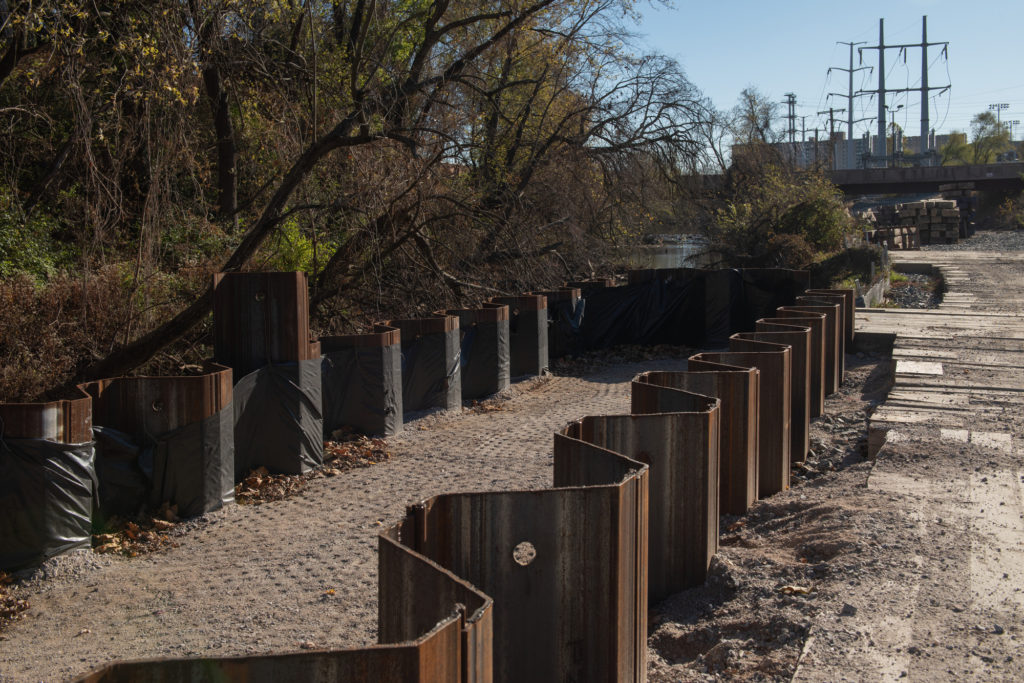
554	584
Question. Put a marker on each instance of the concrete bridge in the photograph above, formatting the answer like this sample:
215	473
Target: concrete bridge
993	177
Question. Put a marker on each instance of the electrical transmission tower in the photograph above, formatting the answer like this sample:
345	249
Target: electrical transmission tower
851	145
880	143
791	115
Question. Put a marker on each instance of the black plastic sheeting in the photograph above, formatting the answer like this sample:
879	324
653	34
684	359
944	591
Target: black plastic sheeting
279	419
431	376
484	356
362	389
565	318
46	499
655	312
765	289
192	467
527	337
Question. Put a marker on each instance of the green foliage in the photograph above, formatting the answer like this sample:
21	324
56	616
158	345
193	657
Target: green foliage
781	216
26	246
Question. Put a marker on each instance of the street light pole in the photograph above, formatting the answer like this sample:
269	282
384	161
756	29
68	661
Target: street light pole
998	108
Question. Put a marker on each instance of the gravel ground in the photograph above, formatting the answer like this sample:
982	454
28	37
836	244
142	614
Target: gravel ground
916	291
985	240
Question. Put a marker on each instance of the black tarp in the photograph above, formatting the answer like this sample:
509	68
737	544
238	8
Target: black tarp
528	336
565	316
46	499
431	376
362	388
192	467
765	289
279	419
483	354
652	312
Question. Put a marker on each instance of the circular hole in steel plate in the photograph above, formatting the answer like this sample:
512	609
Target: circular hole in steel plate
524	553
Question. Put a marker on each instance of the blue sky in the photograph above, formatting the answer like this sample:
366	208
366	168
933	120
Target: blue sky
779	47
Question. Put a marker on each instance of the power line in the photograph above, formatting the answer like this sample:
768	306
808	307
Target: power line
880	143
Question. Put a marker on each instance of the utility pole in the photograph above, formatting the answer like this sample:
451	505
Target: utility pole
791	115
1011	124
851	160
924	89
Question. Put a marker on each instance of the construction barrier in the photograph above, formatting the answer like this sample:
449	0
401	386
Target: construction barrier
431	351
528	333
261	331
549	584
484	356
47	479
361	379
164	440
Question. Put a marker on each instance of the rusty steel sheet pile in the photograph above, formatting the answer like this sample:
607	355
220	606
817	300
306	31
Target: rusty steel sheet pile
816	361
528	333
676	433
549	584
167	439
565	566
834	342
849	307
47	479
261	331
774	433
738	390
261	319
799	341
65	421
841	326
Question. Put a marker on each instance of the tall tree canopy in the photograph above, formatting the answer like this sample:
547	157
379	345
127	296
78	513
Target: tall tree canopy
387	147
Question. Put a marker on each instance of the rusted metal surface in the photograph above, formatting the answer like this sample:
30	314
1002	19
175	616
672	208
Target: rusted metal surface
676	433
799	340
64	421
825	300
833	334
261	319
849	307
816	362
528	333
738	389
156	405
773	360
431	376
485	355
